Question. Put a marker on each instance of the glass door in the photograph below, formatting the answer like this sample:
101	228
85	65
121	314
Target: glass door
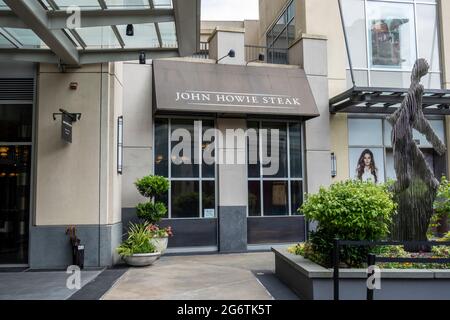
15	171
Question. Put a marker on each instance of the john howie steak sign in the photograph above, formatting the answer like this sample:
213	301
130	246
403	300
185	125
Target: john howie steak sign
236	99
182	86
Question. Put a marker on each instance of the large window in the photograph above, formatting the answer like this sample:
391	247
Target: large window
274	192
192	186
386	37
372	138
281	35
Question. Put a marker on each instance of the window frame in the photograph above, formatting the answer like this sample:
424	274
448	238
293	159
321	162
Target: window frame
287	22
200	179
386	147
261	179
369	69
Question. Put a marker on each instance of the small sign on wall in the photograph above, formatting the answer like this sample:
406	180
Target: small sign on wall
209	213
67	119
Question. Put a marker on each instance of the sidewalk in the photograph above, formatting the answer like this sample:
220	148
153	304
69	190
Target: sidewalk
203	277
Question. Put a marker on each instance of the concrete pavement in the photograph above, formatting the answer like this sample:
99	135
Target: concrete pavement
200	277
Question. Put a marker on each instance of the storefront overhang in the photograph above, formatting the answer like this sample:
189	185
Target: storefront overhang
74	33
209	88
387	100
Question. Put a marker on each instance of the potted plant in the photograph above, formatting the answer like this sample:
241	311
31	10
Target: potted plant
138	250
153	187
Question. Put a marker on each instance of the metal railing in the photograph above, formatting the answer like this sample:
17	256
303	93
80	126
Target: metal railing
372	259
268	55
203	53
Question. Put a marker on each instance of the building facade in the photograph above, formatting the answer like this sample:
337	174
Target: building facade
288	75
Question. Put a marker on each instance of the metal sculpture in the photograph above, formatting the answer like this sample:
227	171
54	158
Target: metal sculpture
416	187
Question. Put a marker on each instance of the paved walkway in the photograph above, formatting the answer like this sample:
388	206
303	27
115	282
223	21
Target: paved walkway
202	277
36	285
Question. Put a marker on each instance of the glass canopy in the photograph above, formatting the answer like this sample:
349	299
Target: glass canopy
104	25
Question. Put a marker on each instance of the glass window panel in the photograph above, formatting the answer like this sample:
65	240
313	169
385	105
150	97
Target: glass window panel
187	169
127	4
390	79
4	43
163	4
438	127
295	149
291	32
26	37
254	198
254	169
361	78
275	198
144	36
185	199
365	132
99	37
208	170
296	196
279	162
390	171
161	147
3	5
168	34
357	164
84	4
427	32
391	34
355	26
208	199
15	166
432	81
16	123
291	11
387	133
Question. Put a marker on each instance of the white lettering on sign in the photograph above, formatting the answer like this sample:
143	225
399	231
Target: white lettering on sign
236	99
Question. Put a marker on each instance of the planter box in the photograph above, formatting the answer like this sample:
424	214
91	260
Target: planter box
311	281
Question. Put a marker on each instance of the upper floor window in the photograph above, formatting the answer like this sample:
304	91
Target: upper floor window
386	37
281	35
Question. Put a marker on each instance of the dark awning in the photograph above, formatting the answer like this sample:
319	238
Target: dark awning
387	100
199	87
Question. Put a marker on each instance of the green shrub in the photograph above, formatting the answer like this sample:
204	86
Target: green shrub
151	212
138	241
152	186
350	210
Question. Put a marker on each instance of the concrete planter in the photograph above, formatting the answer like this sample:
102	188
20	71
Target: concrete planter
160	244
311	281
142	260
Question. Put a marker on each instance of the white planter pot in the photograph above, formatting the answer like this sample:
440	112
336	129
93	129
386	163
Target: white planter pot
160	244
142	260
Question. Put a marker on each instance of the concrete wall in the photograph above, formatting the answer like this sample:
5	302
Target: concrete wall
138	129
223	40
207	27
77	184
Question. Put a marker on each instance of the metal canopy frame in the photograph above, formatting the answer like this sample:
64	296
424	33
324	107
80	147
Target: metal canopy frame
387	100
67	47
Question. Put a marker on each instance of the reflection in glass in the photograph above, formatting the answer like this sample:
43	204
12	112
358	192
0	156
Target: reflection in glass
281	160
296	196
365	132
295	145
275	198
185	199
161	147
187	169
208	170
208	199
254	198
15	123
14	203
391	34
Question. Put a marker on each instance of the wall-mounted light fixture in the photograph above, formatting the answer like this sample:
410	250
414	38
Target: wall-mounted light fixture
260	58
142	58
230	54
130	30
120	145
333	165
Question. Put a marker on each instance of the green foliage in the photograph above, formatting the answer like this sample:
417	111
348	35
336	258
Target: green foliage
442	203
138	241
152	186
350	210
151	212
